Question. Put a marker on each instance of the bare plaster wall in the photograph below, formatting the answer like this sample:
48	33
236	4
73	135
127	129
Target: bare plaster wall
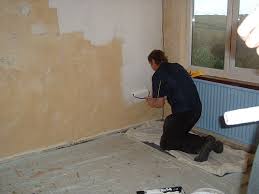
176	30
57	87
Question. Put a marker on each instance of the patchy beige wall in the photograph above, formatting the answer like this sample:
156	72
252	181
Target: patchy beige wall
56	88
176	30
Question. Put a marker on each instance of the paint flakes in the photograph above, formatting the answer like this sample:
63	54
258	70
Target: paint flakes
54	169
24	9
39	29
18	173
7	60
39	173
53	184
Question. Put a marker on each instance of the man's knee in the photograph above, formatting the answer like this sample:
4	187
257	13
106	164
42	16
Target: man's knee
168	122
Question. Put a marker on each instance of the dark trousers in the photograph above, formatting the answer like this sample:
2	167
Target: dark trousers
176	134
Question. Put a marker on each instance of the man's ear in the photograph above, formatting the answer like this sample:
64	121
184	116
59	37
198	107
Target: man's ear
153	61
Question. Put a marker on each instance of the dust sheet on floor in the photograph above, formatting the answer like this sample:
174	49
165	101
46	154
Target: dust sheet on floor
230	161
112	164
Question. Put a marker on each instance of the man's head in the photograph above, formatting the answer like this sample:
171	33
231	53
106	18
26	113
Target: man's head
155	58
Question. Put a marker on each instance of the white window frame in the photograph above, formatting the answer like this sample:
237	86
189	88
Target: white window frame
230	71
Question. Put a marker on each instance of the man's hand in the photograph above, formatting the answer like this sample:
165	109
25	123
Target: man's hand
249	30
155	102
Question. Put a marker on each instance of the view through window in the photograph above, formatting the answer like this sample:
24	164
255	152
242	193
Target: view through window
209	34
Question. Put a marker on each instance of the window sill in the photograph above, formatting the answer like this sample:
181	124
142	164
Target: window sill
231	82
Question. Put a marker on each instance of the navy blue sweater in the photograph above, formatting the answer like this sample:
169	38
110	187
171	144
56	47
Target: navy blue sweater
174	82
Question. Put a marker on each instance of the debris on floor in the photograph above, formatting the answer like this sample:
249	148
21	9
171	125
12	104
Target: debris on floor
230	161
114	164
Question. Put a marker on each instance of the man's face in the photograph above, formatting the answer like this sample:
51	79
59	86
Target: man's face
153	64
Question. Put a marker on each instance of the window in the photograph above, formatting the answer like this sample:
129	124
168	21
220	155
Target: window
209	33
215	45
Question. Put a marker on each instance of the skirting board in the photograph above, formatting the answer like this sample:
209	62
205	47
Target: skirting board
227	141
68	144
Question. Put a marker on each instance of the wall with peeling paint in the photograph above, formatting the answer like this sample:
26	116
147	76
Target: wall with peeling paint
59	86
138	24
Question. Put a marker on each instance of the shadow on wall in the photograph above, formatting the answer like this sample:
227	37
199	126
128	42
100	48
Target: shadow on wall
57	88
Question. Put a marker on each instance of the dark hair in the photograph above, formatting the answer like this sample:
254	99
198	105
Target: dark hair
158	56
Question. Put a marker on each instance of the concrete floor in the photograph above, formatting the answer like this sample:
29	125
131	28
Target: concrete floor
113	164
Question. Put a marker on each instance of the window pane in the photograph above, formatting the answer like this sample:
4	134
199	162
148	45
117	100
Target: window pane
209	33
246	57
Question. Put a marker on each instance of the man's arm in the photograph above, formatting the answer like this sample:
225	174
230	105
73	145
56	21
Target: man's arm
155	102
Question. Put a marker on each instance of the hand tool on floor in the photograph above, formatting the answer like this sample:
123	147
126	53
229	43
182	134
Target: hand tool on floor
168	190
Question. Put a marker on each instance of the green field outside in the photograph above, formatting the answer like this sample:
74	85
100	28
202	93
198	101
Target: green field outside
208	44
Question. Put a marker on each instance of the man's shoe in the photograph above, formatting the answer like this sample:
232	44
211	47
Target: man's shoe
205	150
218	147
163	144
